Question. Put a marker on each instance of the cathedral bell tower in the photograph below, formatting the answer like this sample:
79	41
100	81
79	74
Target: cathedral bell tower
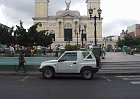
41	8
95	5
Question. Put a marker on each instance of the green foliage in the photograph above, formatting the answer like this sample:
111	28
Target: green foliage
69	47
137	40
32	37
119	43
138	48
21	36
6	35
25	38
128	41
43	39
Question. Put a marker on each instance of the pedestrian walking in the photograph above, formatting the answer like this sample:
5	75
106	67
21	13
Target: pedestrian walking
55	50
21	62
103	53
12	50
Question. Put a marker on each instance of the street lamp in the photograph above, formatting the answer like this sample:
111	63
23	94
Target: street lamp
82	33
76	35
80	30
95	18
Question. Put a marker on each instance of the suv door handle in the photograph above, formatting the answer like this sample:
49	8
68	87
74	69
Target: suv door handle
74	63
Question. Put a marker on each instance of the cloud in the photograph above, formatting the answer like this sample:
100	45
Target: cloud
15	10
116	26
117	16
25	6
2	18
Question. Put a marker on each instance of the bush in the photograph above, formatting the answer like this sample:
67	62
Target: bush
7	52
71	47
138	48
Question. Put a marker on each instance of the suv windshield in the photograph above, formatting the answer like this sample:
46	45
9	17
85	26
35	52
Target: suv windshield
69	57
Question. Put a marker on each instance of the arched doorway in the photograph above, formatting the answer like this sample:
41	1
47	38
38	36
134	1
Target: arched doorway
68	32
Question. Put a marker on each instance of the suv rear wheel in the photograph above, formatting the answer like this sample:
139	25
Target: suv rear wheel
48	73
87	73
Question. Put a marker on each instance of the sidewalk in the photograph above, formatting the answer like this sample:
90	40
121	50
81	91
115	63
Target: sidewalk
119	63
120	57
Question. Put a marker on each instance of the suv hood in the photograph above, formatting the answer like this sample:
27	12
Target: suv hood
49	61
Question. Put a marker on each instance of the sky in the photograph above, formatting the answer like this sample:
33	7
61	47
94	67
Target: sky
117	14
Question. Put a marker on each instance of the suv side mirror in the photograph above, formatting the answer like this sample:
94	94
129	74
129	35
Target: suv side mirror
62	60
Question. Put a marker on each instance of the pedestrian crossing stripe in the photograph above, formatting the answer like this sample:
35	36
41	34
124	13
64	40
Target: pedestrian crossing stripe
131	78
135	82
128	76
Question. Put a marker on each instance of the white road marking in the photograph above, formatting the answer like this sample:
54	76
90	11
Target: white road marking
106	78
25	78
134	79
128	76
135	82
131	78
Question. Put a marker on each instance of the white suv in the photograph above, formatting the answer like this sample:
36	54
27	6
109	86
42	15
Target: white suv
75	62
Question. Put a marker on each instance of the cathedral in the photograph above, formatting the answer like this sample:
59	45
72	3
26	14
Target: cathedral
68	26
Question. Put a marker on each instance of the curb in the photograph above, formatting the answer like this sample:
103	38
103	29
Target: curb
20	73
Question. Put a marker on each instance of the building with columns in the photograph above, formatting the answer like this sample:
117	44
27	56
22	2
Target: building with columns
68	25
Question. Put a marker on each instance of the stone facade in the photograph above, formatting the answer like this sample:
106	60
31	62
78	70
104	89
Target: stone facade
66	24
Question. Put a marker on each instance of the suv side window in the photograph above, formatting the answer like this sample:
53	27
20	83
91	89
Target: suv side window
69	57
87	55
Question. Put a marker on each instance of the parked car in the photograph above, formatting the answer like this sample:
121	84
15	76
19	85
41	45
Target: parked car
71	62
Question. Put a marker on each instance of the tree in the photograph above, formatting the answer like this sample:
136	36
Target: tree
21	36
119	43
25	38
6	36
40	38
137	40
45	38
129	41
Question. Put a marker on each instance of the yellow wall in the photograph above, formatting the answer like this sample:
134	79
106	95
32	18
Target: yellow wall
41	7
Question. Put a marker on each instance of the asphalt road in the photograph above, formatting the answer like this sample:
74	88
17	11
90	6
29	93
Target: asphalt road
70	87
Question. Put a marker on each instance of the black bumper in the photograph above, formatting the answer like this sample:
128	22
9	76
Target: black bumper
40	69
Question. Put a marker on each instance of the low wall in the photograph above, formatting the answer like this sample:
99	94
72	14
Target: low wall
32	63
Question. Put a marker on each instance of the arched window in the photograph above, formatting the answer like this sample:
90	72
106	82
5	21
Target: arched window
68	32
68	26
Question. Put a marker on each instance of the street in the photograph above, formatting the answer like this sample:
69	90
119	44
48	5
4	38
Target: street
70	87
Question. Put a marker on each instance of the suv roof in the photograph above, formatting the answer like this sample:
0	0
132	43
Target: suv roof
77	51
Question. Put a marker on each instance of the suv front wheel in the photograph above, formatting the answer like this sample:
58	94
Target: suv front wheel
87	73
48	73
